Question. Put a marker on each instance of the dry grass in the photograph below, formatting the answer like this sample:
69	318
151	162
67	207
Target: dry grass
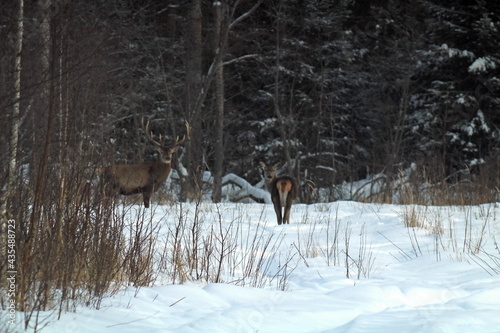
74	248
202	246
430	186
91	249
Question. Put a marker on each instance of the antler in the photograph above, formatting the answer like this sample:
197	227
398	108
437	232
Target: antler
148	133
184	138
160	143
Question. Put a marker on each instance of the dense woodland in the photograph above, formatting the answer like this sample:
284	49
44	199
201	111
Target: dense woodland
336	90
339	91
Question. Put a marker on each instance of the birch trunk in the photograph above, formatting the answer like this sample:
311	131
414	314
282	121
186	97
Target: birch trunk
13	173
14	135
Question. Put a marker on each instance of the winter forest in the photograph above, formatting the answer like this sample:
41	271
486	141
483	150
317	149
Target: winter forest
336	90
390	93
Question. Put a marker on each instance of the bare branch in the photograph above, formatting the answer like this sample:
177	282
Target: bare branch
248	56
245	15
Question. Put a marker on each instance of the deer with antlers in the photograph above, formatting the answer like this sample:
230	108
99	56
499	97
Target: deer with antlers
283	191
145	177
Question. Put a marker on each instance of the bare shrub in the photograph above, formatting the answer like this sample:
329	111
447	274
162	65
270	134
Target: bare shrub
203	245
72	249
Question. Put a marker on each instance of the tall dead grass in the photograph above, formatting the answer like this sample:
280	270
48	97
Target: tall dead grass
430	185
71	248
201	245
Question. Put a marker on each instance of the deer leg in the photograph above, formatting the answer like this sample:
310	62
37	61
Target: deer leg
288	208
279	216
277	209
108	193
147	194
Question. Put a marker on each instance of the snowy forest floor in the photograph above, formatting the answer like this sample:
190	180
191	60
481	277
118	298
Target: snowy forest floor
338	267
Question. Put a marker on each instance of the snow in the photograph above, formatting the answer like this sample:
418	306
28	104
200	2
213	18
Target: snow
396	279
453	52
483	124
482	65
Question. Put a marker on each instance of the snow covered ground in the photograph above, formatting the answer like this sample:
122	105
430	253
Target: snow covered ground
339	267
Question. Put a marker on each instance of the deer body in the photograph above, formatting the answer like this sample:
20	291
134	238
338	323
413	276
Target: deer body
145	178
283	191
131	179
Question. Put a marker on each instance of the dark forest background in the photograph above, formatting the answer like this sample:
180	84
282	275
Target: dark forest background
336	90
383	101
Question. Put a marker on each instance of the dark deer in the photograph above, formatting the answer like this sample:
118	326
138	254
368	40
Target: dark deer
145	177
283	191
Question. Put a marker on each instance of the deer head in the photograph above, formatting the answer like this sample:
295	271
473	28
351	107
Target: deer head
165	151
147	177
269	172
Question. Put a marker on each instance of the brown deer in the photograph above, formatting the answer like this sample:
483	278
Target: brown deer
145	177
283	191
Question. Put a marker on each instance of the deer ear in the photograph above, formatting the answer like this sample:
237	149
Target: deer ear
277	165
262	165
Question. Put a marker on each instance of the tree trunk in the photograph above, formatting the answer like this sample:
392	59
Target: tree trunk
14	135
197	89
219	107
38	224
13	143
63	132
276	98
191	187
